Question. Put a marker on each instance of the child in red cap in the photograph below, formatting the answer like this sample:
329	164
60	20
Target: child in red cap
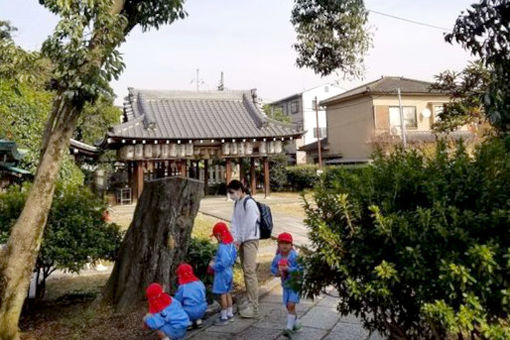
283	265
165	314
223	273
191	294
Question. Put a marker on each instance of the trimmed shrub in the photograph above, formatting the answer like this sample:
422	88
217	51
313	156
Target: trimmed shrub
75	234
200	252
302	177
418	246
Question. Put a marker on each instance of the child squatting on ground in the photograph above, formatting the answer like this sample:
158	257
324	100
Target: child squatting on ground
285	263
191	294
166	315
223	273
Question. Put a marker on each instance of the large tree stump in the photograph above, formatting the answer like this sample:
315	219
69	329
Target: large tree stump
156	242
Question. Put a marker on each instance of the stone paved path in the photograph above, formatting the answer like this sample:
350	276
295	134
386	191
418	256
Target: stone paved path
319	318
221	208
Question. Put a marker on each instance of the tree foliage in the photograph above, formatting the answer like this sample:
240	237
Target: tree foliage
418	246
331	35
484	30
276	113
467	91
75	233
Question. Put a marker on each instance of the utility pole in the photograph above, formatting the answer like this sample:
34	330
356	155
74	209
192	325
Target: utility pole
221	86
402	122
319	151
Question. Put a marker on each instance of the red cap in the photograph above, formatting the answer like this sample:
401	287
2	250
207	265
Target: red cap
285	237
158	300
222	229
185	274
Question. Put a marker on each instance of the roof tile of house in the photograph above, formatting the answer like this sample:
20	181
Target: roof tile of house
387	85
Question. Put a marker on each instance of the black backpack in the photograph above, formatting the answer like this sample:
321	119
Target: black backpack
266	219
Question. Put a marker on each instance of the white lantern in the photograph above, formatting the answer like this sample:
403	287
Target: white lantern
156	151
278	146
165	149
181	151
189	150
147	151
262	148
233	148
225	149
248	148
270	149
138	151
172	152
241	149
127	152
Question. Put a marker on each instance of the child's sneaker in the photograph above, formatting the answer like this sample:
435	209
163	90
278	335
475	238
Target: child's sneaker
231	318
221	322
297	327
198	323
288	333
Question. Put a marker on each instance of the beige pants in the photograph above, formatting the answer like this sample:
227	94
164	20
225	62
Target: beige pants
248	256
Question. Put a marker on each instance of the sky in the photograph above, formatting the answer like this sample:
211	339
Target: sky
251	42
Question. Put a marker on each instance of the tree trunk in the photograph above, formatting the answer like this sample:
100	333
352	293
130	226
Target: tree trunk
17	264
156	241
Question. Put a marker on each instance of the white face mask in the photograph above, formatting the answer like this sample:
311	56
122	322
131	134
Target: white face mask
235	196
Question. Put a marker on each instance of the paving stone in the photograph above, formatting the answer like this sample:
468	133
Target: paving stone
256	333
234	327
274	316
306	333
275	296
347	331
210	336
328	301
320	317
350	318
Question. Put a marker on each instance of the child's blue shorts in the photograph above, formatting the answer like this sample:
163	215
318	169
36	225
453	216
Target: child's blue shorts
174	333
222	283
290	296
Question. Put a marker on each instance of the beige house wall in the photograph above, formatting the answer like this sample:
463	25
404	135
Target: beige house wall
350	128
420	102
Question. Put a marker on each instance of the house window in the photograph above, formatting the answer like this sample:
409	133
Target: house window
322	131
409	116
438	109
294	107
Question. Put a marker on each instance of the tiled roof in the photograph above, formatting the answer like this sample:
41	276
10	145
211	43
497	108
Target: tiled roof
196	115
387	85
312	147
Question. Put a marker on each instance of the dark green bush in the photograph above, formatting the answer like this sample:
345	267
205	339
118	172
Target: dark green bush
418	247
302	177
75	233
278	172
200	252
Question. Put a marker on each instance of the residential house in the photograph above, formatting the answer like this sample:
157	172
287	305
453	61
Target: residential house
370	114
300	107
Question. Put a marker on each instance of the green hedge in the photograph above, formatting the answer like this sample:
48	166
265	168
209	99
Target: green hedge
75	233
418	247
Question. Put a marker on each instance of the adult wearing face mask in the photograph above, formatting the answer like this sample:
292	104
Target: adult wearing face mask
245	230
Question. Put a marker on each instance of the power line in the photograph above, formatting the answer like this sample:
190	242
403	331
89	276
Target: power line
410	21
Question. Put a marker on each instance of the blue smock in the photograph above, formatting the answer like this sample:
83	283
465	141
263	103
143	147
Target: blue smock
173	321
192	297
223	273
289	295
